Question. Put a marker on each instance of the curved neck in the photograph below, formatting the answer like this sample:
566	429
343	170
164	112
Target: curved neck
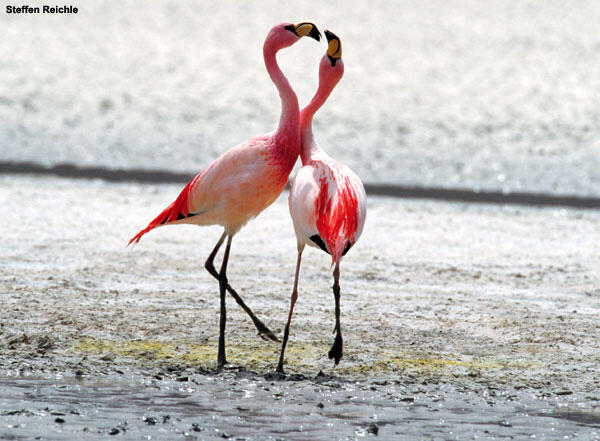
309	147
307	113
290	115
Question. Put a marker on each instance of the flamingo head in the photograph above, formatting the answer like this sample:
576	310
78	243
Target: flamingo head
332	67
286	34
334	48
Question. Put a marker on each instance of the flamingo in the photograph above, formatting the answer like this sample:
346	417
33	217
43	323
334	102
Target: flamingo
245	180
327	200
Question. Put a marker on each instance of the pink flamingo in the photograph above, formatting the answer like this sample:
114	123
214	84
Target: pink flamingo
327	200
246	179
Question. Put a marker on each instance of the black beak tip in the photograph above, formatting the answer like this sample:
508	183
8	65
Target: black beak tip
330	35
314	33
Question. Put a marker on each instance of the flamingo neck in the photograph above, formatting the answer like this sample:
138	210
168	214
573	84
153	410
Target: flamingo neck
288	129
310	149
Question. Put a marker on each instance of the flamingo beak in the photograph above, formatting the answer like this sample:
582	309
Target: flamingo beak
305	29
334	47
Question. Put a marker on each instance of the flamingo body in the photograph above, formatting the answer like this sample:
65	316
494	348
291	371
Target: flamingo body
327	204
327	200
233	189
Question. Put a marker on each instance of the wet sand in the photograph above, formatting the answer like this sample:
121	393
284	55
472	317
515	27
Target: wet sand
459	320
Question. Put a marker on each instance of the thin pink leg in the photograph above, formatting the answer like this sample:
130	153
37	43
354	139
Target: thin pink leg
292	303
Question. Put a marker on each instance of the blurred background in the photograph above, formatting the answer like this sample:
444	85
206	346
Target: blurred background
498	95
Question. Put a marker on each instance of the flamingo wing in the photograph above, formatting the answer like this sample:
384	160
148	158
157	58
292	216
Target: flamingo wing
230	191
176	211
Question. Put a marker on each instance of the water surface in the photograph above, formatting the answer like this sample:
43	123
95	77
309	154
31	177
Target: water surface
498	95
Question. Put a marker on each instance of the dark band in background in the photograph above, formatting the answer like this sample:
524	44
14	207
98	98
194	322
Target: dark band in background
402	191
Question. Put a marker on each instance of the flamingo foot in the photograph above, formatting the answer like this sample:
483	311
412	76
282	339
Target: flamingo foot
221	362
233	368
336	352
264	332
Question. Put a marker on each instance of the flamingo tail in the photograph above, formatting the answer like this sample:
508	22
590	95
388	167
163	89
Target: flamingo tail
175	211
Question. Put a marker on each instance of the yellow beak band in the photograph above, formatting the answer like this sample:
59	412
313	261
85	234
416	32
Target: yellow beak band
303	29
334	48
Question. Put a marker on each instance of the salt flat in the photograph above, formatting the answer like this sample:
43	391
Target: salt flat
471	283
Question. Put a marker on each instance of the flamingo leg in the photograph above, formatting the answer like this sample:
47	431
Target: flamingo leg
221	360
292	303
210	267
336	350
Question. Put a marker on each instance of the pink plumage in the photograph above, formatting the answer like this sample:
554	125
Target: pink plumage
235	187
328	206
177	209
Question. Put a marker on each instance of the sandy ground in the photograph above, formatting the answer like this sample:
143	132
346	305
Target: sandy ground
488	314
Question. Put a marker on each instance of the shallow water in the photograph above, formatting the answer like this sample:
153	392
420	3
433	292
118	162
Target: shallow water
246	406
498	95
